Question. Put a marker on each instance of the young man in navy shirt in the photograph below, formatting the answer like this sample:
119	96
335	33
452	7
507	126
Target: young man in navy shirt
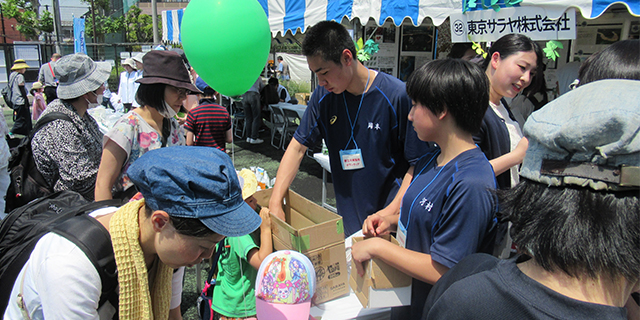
362	116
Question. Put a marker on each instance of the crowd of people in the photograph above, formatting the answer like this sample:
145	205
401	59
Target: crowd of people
440	161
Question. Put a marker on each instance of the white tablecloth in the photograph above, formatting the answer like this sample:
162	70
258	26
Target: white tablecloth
299	108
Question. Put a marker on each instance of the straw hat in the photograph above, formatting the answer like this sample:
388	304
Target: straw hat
36	85
19	64
248	182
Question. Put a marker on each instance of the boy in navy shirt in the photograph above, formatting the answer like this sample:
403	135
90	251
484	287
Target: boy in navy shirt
362	116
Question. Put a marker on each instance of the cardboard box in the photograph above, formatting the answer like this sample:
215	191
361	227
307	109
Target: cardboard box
317	233
308	226
382	285
330	264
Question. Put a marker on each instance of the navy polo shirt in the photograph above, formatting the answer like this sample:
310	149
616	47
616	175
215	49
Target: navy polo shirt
449	212
381	130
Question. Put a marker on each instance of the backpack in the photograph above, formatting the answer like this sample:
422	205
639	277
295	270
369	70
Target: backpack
6	94
65	213
27	183
205	300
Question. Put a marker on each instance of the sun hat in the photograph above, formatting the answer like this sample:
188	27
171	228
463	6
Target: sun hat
249	183
138	57
129	62
588	137
166	67
285	286
195	182
37	85
19	64
204	87
78	74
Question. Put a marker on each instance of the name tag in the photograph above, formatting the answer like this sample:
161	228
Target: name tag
401	235
351	159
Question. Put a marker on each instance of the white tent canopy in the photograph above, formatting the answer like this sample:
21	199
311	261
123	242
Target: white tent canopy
298	15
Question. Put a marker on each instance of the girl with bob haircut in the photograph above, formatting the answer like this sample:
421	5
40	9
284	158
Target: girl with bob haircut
163	89
448	211
513	63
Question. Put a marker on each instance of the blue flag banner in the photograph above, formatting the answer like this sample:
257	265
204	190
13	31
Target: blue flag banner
79	44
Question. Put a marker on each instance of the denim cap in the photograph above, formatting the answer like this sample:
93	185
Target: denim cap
588	137
195	182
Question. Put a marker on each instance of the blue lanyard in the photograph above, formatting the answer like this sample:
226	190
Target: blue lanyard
346	108
423	189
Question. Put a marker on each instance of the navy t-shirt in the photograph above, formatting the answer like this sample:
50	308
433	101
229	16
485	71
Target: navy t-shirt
381	130
449	212
483	287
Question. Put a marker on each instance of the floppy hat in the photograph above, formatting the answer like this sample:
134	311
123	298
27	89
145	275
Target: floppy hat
195	182
588	137
166	67
285	286
37	85
78	74
19	64
248	182
138	57
129	62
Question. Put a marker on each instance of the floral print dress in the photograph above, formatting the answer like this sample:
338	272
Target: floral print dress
135	136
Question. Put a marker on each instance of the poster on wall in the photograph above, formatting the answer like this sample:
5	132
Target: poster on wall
385	59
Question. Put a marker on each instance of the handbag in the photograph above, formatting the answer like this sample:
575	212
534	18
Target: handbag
205	299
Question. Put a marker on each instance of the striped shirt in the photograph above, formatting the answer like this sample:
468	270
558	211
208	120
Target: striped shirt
209	123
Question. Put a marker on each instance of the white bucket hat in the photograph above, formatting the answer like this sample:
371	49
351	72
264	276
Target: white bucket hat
78	74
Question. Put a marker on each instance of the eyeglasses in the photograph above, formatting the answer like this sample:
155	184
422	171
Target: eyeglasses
180	91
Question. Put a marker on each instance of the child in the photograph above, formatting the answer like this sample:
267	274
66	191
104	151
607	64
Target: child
233	295
38	100
448	211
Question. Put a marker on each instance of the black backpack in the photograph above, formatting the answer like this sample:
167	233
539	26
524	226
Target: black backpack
64	213
27	183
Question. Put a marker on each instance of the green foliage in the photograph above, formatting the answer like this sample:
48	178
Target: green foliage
29	24
104	25
493	4
296	86
100	5
139	26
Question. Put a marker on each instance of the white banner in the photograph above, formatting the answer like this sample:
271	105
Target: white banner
489	25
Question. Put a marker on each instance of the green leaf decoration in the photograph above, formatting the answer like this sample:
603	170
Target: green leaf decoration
359	44
371	47
551	51
510	3
494	2
472	4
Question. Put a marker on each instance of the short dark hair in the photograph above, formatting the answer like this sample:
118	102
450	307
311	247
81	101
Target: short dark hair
186	226
512	44
579	231
618	61
280	58
459	49
458	86
328	39
151	95
274	81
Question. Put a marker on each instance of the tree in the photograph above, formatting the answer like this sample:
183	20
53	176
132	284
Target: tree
26	14
139	26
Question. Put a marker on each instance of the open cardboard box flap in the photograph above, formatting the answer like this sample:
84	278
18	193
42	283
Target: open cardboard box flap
382	285
308	226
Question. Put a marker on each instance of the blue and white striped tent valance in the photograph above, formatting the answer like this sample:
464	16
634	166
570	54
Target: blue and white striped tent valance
171	21
297	15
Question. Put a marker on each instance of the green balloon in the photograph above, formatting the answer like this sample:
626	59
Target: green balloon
227	42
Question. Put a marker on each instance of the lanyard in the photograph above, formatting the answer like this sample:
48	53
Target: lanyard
355	120
423	189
